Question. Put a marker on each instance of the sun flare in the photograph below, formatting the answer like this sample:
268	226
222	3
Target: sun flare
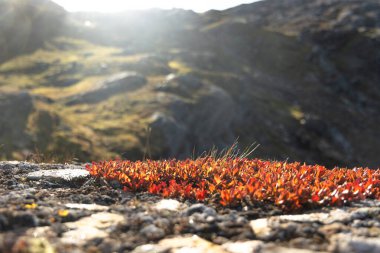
120	5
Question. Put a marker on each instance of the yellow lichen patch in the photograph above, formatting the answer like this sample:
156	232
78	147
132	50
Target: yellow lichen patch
296	112
41	57
63	212
58	93
31	206
19	81
63	60
180	67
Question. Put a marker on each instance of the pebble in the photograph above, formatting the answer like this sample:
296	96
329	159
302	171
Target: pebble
26	219
89	207
365	212
254	246
333	228
342	243
191	244
168	204
4	224
199	208
151	248
278	249
144	218
338	215
152	232
16	165
261	228
32	245
162	223
98	225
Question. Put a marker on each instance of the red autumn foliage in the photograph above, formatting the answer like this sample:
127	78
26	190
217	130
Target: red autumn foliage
232	182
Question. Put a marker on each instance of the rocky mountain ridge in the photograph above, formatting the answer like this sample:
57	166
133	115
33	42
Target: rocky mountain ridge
297	77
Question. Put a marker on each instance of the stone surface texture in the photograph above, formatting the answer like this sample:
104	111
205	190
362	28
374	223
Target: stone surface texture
49	208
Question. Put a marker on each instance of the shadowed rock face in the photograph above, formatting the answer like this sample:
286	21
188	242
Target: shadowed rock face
15	109
190	128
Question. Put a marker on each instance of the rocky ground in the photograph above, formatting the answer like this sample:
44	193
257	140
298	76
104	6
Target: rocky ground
58	208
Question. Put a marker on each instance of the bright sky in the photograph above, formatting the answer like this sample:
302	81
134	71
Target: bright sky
120	5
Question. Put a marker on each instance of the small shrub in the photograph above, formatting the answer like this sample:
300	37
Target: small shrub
240	181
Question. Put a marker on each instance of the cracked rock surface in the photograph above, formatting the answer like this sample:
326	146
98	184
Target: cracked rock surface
49	208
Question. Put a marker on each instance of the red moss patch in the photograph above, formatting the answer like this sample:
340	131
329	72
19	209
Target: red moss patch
233	182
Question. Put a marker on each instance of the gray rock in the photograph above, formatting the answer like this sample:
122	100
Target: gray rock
238	247
144	218
167	135
152	232
151	248
169	204
212	120
90	207
73	175
279	249
365	212
9	165
25	166
337	215
97	225
341	243
333	228
261	228
118	83
198	117
24	219
199	208
162	223
182	244
149	65
182	85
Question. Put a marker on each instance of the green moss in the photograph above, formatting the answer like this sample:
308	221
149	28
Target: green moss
62	61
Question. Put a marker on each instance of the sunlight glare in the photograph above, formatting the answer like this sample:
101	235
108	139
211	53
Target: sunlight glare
120	5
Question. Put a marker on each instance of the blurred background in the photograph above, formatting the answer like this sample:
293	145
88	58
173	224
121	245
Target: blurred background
89	81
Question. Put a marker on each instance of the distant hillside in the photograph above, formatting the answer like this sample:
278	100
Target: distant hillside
299	77
26	24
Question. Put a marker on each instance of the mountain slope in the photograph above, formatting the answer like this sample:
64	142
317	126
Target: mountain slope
26	24
298	77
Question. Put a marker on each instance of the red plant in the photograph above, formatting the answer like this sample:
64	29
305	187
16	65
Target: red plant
231	182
